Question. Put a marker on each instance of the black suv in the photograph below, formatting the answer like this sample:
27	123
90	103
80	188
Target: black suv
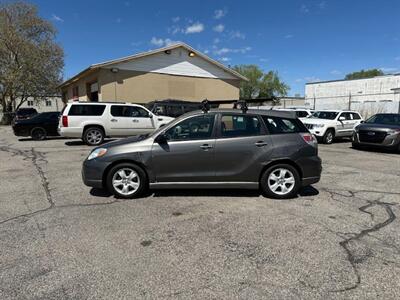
224	148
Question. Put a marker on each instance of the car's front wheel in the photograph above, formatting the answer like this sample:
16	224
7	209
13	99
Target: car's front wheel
93	136
329	136
280	181
126	181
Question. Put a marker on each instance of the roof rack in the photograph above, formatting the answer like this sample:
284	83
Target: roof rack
241	104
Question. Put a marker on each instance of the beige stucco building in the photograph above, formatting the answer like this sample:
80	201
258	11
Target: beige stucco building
174	72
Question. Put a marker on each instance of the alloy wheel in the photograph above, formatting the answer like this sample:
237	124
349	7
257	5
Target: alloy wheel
126	181
281	181
94	136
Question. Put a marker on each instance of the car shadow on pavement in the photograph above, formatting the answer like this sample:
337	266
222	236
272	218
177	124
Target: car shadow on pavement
81	143
304	192
46	139
376	150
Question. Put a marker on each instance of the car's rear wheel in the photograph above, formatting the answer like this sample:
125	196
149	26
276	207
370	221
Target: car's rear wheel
126	181
38	133
280	181
329	136
93	136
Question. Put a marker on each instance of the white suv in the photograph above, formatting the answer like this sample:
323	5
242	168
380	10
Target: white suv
93	121
328	124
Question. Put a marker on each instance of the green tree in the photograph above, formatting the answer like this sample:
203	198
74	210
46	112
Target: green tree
31	62
364	74
260	84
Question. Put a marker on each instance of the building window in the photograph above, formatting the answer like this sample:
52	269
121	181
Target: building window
30	102
48	102
75	93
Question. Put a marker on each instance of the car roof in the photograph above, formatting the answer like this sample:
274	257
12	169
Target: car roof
263	112
104	103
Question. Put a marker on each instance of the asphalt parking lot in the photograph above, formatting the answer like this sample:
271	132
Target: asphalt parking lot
62	240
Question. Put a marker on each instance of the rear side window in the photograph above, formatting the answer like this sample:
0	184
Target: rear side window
86	110
356	116
277	125
128	111
301	114
240	125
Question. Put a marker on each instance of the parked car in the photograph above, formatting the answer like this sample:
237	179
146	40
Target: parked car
92	122
326	125
173	108
380	130
301	113
225	148
39	126
25	113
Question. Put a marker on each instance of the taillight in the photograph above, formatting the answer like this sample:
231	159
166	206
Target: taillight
65	121
309	138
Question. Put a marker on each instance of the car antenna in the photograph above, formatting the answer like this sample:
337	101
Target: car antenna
205	105
241	104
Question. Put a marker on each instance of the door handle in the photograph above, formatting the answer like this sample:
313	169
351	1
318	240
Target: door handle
206	146
114	120
260	143
135	121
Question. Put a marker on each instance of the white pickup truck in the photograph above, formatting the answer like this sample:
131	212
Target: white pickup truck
328	124
93	121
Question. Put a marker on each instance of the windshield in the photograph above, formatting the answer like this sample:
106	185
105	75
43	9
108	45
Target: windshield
328	115
386	119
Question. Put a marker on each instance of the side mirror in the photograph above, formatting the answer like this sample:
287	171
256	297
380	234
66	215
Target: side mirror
161	138
151	115
342	118
362	121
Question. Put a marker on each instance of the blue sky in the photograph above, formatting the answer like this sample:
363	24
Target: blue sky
302	40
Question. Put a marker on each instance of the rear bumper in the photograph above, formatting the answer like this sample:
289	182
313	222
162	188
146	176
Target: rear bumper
311	168
71	132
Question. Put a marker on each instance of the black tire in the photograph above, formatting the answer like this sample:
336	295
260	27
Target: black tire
38	134
329	136
93	136
277	194
114	175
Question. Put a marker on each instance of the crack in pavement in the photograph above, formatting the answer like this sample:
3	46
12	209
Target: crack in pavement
351	256
37	158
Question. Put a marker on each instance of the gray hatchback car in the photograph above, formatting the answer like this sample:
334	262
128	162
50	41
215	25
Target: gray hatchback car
224	148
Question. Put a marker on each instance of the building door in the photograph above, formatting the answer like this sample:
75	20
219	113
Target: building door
92	91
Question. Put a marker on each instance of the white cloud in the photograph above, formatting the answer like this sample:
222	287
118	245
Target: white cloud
174	29
206	51
264	59
299	80
225	50
335	72
159	42
225	59
56	18
237	35
304	9
388	69
216	40
289	36
312	79
194	28
219	28
322	5
176	19
220	13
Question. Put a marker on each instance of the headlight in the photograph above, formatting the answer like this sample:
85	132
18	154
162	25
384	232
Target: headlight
393	131
319	125
99	152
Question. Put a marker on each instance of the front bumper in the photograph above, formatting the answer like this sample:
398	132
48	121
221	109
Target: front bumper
93	171
318	132
389	142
